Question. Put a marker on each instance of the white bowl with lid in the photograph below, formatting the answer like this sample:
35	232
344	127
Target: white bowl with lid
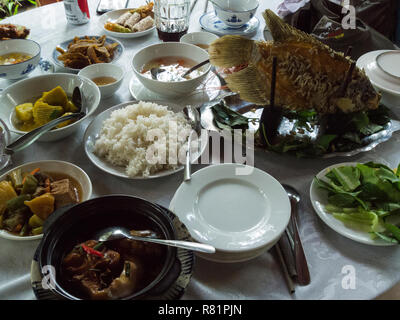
383	69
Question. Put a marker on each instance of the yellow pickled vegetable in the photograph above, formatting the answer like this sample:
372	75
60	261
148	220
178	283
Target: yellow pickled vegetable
24	112
70	107
65	123
41	206
35	221
55	97
43	112
37	231
7	192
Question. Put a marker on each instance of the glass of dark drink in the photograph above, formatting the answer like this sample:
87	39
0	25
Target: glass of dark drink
171	18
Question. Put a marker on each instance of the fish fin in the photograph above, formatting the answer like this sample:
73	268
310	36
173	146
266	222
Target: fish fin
283	32
250	84
230	51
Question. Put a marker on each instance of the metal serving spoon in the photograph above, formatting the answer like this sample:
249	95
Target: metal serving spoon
30	137
155	71
194	118
121	233
303	274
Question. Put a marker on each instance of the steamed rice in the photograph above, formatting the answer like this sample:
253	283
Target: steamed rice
123	140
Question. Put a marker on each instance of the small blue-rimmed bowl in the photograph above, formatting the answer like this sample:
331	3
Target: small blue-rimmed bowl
235	13
21	69
64	45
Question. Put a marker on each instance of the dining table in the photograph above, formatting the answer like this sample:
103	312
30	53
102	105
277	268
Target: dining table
332	258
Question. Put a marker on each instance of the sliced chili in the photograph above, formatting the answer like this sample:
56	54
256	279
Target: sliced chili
92	251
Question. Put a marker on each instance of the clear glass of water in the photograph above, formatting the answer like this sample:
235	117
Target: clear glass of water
171	18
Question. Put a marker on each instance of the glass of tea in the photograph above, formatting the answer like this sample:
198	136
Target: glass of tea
171	18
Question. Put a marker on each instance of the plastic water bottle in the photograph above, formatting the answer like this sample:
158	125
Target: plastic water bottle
77	11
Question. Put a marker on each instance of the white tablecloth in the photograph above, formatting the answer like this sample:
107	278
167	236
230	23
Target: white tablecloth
328	253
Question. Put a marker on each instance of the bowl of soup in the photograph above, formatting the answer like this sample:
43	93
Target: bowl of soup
173	59
108	77
120	269
18	58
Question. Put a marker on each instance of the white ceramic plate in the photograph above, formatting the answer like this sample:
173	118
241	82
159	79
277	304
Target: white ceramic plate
114	15
211	23
319	200
383	69
64	45
51	166
207	91
233	207
92	133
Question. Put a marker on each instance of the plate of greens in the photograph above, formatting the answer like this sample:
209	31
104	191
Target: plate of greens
304	133
360	201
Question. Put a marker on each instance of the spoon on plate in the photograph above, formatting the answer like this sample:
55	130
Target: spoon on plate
303	274
121	233
30	137
155	71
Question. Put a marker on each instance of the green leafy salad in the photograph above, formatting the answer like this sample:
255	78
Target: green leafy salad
365	197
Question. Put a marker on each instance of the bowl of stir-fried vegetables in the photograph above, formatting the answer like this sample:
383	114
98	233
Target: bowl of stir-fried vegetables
30	193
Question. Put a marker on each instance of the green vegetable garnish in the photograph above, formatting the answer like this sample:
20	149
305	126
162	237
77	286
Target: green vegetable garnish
365	197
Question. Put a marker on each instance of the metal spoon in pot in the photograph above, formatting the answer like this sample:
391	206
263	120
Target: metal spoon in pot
155	71
121	233
30	137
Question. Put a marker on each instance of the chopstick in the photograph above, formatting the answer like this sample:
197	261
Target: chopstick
206	7
285	270
192	6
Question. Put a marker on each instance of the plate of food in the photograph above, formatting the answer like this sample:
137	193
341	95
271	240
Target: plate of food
79	52
300	133
329	108
30	193
129	23
141	140
13	31
360	201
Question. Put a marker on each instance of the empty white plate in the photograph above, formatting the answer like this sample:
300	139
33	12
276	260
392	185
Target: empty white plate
236	208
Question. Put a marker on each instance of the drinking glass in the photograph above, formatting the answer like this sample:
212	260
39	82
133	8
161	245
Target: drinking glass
171	18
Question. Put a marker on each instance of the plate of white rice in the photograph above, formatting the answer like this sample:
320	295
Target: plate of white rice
141	140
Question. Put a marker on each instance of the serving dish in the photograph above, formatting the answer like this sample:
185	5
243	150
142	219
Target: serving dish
93	130
84	220
64	46
170	49
240	210
105	70
235	13
114	15
318	199
51	166
30	89
382	68
21	69
254	112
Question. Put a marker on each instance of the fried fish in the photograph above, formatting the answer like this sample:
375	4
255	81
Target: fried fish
310	75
